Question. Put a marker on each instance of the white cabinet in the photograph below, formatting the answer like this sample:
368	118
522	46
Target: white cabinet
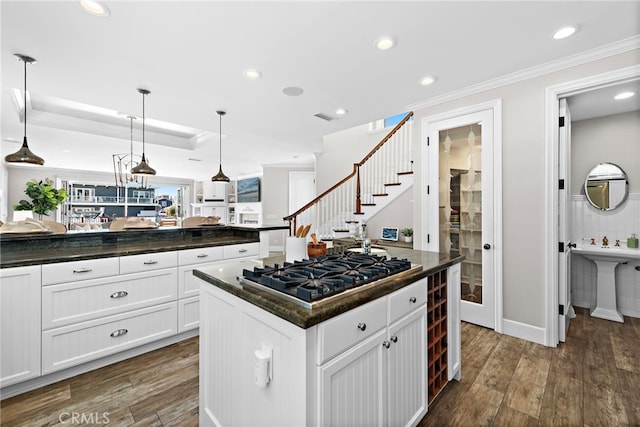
73	302
79	270
364	367
148	262
382	380
214	191
243	250
407	369
82	342
189	286
83	320
353	386
20	324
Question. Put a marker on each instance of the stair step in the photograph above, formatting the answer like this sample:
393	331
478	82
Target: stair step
405	173
367	204
380	194
392	184
358	213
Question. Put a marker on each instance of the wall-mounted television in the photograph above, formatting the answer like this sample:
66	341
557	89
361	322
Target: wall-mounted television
248	190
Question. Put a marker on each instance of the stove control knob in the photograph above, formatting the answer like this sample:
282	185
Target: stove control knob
362	326
394	338
413	299
386	344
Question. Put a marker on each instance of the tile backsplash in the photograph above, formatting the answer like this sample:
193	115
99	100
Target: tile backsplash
588	222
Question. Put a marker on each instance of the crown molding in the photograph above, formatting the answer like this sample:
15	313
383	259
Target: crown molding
601	52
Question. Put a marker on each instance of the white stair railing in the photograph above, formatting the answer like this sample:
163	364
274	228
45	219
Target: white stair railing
341	204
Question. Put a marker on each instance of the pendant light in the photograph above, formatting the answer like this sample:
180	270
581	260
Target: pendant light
143	168
220	176
24	155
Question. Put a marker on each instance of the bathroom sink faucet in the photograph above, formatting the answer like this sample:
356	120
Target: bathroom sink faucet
605	241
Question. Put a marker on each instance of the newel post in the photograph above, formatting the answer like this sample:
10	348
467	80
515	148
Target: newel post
358	201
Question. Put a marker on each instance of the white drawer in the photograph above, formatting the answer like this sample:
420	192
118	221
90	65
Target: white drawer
75	302
405	300
348	329
75	344
188	314
188	284
201	255
242	250
79	270
147	262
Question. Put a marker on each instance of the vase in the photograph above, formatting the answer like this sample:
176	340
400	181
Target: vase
408	239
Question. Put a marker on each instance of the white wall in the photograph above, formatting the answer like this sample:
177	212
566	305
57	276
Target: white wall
614	139
523	157
523	180
275	200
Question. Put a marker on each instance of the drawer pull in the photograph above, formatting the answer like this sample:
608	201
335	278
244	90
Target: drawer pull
394	338
386	344
413	299
362	326
82	270
119	294
118	332
202	256
242	251
152	262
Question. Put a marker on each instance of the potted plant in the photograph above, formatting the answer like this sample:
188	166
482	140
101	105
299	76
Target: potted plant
408	234
44	197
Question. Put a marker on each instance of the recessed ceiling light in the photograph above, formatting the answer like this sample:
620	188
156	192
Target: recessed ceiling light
292	91
95	7
623	95
427	80
565	32
251	74
385	43
341	111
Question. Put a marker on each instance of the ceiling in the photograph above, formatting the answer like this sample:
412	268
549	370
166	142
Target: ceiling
191	54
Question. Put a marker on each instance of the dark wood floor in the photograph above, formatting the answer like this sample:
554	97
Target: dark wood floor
593	379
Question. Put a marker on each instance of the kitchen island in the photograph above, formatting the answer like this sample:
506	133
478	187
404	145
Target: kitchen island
375	357
74	302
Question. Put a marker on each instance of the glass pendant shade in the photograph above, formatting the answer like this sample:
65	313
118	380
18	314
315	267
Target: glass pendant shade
143	167
24	154
220	176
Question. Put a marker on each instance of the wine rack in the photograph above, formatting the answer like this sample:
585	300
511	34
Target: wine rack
437	373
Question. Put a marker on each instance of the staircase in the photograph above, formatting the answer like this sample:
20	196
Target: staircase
385	173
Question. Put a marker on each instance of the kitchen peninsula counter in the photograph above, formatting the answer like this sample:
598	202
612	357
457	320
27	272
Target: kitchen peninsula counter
19	250
225	277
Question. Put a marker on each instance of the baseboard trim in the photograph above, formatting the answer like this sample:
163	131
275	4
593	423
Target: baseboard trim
523	331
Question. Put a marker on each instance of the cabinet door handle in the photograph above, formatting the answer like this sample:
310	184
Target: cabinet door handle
242	251
413	300
118	333
394	338
119	294
386	344
151	262
202	256
82	270
362	326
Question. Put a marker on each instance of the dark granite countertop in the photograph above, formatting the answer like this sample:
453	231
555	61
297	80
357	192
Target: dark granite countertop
18	250
225	276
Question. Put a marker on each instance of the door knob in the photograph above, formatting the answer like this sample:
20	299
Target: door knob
487	246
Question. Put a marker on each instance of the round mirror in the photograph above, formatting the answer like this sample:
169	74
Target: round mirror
606	186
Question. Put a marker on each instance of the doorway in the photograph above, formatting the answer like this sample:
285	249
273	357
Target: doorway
463	205
558	168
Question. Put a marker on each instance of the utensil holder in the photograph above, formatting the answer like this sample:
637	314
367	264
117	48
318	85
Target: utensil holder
296	249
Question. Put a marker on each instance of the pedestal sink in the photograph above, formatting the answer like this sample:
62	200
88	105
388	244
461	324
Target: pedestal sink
607	259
